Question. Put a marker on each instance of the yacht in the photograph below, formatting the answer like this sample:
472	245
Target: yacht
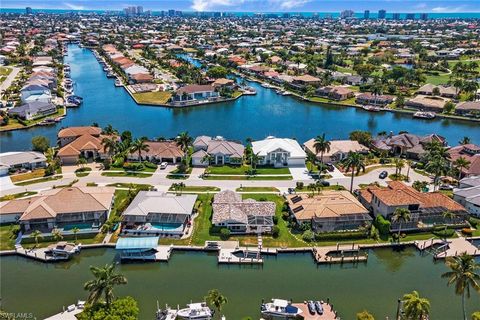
110	74
286	93
195	311
280	308
267	85
424	115
118	83
371	108
63	248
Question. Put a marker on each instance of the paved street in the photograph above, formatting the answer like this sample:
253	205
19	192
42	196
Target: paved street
8	81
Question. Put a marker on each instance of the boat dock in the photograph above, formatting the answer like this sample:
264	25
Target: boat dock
442	249
69	313
328	312
163	253
339	254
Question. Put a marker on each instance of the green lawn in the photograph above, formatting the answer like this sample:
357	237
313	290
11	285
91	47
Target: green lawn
98	238
6	241
83	172
133	174
442	78
196	189
45	179
130	185
155	97
260	177
38	173
257	189
17	195
178	174
238	170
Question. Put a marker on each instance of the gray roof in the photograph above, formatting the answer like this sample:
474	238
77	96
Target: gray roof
16	158
32	108
159	202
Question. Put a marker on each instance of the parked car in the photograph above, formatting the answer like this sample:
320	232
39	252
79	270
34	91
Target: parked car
324	183
291	190
319	307
311	307
383	175
163	165
330	167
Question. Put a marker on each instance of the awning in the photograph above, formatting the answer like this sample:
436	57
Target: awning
137	243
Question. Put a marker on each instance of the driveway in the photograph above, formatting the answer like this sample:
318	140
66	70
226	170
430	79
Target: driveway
6	183
300	173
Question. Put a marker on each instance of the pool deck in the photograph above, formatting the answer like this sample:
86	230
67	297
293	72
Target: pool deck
328	312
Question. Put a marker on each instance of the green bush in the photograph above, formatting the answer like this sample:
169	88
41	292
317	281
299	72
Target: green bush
300	185
382	225
308	236
285	215
275	220
444	233
349	235
224	234
474	221
275	231
149	165
133	166
118	163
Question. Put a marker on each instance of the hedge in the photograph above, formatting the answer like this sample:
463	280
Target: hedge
382	225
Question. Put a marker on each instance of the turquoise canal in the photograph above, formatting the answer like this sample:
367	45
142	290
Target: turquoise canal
30	286
252	116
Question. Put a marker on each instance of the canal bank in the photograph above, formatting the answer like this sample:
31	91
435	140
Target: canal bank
278	115
375	285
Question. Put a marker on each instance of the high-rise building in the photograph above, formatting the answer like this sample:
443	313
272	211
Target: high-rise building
139	10
396	16
382	14
171	13
345	14
366	14
286	15
28	10
410	16
423	16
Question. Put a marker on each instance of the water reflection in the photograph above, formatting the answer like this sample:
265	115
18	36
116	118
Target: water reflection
394	259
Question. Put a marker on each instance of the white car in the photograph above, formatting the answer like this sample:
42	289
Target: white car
163	165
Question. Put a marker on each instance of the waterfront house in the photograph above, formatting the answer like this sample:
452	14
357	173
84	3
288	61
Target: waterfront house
306	80
427	103
86	208
339	149
158	213
411	145
426	209
11	161
468	195
279	152
471	153
467	108
195	92
371	99
69	134
35	92
160	151
336	93
440	90
329	211
33	110
242	216
76	142
221	150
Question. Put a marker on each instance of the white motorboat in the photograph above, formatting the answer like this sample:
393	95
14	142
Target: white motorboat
280	308
63	248
167	314
195	311
424	115
286	93
371	108
118	83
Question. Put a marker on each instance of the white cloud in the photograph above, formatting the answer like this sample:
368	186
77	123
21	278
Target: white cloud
73	6
202	5
449	9
289	4
421	6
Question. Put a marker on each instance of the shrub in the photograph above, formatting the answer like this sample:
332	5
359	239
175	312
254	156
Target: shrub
49	171
275	231
474	221
224	234
133	166
149	165
285	215
382	225
308	236
107	163
118	163
300	185
444	233
275	220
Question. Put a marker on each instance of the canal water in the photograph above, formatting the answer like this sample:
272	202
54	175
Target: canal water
42	289
256	117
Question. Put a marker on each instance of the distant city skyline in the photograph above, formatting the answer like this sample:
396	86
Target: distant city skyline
401	6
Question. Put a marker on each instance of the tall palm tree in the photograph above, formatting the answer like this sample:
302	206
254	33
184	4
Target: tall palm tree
81	162
464	274
460	164
75	230
254	160
354	162
109	130
465	140
105	279
415	307
109	145
184	141
216	299
438	166
321	145
57	235
401	215
409	165
399	164
139	145
36	235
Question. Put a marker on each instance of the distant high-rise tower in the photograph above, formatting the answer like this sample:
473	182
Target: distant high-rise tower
346	14
410	16
139	10
424	16
366	14
28	10
382	14
396	16
171	12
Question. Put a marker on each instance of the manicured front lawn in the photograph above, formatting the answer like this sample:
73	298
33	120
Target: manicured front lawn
133	174
17	195
83	172
257	189
30	243
6	242
260	177
38	173
244	169
45	179
155	97
195	189
130	185
178	174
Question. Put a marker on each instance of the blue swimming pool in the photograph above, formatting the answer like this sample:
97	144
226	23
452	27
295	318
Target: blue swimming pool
166	226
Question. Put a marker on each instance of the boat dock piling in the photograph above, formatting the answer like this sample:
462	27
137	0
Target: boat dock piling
449	248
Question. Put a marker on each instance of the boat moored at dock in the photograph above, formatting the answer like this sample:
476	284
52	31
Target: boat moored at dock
195	311
280	308
424	115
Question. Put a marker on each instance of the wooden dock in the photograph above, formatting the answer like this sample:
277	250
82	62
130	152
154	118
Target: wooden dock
328	312
228	256
450	248
344	253
163	253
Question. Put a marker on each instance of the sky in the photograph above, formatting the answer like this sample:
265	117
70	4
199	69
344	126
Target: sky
429	6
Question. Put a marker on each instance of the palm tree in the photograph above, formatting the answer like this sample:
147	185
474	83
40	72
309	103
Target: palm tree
102	285
354	161
409	165
415	307
36	235
321	145
438	166
216	299
184	141
57	235
139	145
109	145
460	164
458	84
254	160
399	164
448	215
109	130
208	158
75	230
465	140
401	215
81	162
464	275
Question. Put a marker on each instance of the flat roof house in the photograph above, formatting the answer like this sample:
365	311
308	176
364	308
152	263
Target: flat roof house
195	92
242	216
86	208
329	211
21	160
33	110
221	150
158	213
279	152
469	197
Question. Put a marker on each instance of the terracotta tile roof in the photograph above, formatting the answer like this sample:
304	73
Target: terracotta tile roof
82	143
78	131
163	149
